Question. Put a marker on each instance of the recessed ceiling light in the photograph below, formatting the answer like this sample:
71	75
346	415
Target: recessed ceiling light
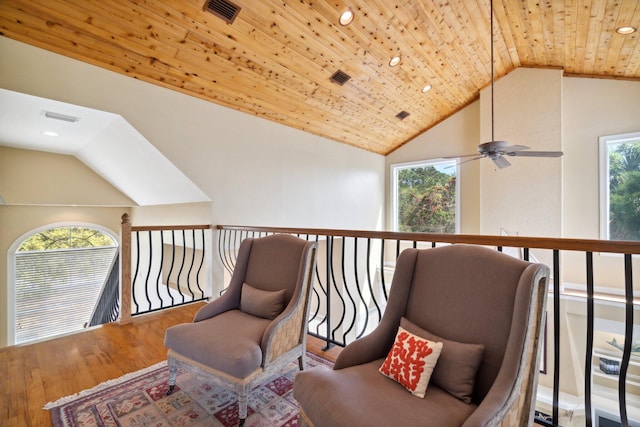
426	89
50	133
394	61
626	30
346	17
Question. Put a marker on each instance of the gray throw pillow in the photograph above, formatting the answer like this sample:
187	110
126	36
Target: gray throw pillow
265	304
457	366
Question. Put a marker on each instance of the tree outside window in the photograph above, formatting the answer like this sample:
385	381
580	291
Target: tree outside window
66	238
425	197
621	187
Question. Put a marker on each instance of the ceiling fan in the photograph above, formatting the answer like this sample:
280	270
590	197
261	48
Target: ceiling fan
496	150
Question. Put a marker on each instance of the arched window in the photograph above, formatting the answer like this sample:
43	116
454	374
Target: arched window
59	274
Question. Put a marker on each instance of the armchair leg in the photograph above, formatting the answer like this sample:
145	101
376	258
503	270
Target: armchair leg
302	362
242	408
173	373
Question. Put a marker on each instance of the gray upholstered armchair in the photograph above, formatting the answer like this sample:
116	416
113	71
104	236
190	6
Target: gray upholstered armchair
484	306
257	326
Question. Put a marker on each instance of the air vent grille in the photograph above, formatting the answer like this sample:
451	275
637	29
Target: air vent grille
223	9
340	77
402	115
58	116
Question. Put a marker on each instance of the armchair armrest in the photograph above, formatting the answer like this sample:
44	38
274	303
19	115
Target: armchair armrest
374	346
226	302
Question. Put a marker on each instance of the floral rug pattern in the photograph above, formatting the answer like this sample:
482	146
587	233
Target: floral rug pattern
139	399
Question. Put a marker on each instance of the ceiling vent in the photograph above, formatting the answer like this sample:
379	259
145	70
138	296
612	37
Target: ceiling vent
223	9
402	115
340	77
58	116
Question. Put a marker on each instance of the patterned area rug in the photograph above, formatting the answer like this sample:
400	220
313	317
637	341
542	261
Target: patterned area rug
139	399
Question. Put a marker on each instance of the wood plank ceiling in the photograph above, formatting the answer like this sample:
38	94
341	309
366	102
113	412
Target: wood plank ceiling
276	59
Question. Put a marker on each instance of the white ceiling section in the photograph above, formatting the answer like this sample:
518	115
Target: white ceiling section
105	142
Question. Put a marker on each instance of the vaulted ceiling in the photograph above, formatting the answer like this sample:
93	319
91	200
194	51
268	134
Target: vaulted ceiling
276	59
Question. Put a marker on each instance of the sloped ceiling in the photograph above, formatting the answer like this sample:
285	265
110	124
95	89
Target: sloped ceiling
277	57
98	139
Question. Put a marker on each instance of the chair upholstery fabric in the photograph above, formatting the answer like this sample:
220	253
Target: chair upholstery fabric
237	349
228	342
469	294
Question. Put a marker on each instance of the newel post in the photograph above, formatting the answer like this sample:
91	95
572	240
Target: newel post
125	278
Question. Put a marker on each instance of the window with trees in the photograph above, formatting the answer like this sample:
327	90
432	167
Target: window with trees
425	197
620	187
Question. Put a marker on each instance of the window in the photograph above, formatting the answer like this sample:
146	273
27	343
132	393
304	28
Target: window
59	273
620	187
425	197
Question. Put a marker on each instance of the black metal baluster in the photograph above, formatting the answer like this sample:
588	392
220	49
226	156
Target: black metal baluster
135	275
556	334
173	260
346	287
193	260
146	282
178	284
373	294
628	338
384	286
338	293
357	279
328	293
589	350
159	275
317	297
202	293
223	249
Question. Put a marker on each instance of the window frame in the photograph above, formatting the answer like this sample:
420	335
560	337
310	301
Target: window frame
11	266
396	167
605	197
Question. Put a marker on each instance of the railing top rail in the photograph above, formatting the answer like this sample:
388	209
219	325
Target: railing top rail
170	227
583	245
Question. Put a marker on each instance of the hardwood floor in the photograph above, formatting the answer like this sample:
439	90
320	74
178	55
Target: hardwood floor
33	375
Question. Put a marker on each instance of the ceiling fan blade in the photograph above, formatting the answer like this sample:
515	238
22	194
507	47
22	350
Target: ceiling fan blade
537	153
500	162
459	157
513	148
466	161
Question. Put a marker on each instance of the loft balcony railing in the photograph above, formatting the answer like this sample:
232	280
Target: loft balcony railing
107	307
585	379
162	267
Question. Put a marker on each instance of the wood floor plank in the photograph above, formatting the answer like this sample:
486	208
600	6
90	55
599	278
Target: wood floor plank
34	374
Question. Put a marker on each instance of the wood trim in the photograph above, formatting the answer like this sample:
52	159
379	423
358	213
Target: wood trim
170	227
582	245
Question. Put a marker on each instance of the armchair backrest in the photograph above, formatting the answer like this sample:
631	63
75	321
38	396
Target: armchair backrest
468	294
271	263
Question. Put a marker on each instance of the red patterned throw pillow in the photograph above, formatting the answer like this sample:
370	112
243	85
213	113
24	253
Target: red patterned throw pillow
411	361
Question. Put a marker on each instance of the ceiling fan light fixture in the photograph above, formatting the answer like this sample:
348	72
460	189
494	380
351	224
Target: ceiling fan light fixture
395	61
625	30
346	17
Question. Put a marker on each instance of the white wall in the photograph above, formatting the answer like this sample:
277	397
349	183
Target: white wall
457	135
592	108
524	198
255	171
